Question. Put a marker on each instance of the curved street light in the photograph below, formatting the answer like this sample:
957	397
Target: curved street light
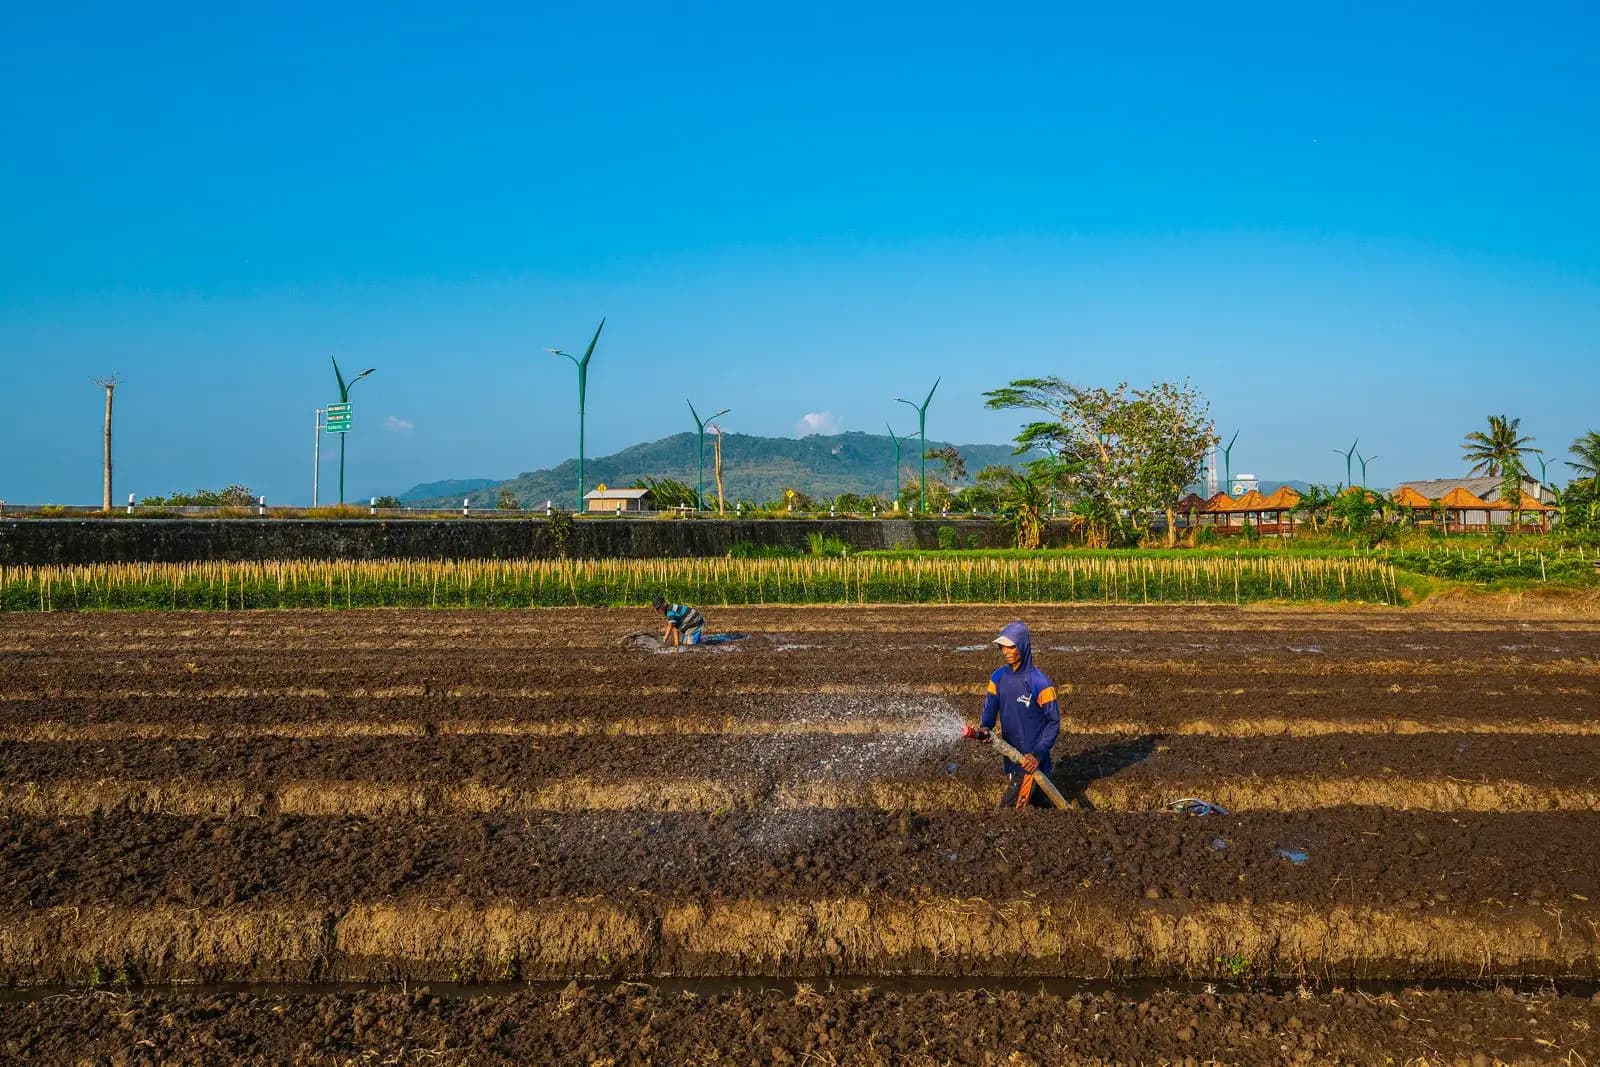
344	398
1347	456
700	452
583	381
1364	460
922	435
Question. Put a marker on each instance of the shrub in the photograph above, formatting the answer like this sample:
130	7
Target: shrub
948	538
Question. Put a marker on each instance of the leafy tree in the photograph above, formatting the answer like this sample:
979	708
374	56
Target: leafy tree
939	495
988	489
955	466
388	502
1130	452
1168	427
506	500
1315	502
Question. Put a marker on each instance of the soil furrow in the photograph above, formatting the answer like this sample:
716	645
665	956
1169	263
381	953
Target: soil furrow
1336	856
850	1025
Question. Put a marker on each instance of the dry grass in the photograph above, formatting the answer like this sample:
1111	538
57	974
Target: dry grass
436	940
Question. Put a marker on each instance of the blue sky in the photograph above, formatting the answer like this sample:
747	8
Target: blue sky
1359	219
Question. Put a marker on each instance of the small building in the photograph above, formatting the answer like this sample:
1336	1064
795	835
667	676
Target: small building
618	501
1476	507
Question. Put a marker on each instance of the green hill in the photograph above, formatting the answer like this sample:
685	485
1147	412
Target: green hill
753	468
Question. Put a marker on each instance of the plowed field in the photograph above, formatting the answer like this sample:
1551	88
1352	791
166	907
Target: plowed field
461	798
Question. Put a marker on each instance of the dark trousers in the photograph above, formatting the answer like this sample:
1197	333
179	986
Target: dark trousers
1036	798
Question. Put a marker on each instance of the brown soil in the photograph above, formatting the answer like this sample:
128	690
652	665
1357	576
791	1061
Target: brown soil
486	795
640	1024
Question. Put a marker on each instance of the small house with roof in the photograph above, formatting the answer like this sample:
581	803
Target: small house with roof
604	501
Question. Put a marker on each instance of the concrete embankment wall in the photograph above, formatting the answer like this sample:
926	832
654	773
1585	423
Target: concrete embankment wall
45	542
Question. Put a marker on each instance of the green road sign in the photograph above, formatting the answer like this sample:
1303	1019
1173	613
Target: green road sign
338	418
338	409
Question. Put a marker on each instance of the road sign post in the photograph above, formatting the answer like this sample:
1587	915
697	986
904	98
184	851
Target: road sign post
338	418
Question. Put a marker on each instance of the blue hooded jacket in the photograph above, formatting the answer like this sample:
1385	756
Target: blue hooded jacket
1024	702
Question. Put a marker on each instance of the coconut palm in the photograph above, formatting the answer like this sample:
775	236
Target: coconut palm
1501	448
1587	451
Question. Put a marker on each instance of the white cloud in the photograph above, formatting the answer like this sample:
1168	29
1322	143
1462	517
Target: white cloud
823	422
396	424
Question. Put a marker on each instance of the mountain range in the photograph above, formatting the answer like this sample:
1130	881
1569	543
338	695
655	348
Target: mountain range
753	468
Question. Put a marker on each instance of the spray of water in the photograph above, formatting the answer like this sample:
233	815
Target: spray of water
920	738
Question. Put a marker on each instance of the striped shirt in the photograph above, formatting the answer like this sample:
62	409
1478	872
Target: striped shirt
685	618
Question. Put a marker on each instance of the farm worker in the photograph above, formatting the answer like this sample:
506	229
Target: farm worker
684	624
1022	699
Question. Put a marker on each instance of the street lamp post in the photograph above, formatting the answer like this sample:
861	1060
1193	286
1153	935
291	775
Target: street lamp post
922	435
583	380
344	398
700	451
1364	460
1347	456
896	439
1227	463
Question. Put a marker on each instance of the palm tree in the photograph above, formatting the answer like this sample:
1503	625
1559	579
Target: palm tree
1022	506
1493	452
1587	449
1499	453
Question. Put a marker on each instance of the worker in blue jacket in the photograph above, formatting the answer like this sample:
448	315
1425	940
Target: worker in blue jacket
1022	700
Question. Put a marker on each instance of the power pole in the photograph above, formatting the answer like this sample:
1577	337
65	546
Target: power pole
109	384
718	464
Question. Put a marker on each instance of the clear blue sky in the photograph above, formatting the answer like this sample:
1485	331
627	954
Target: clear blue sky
1379	220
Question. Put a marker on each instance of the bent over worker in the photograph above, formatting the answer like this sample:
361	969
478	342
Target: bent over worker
685	625
1022	700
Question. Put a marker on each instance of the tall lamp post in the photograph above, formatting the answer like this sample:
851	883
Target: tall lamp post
344	398
583	380
1347	456
700	451
1364	460
896	439
1227	463
922	435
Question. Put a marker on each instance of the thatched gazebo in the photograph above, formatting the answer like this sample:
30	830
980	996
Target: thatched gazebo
1525	506
1460	501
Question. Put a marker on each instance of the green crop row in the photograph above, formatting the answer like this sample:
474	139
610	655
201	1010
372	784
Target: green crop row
518	584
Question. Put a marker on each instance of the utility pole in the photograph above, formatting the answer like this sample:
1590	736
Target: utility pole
717	466
583	384
316	453
700	452
922	434
109	384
